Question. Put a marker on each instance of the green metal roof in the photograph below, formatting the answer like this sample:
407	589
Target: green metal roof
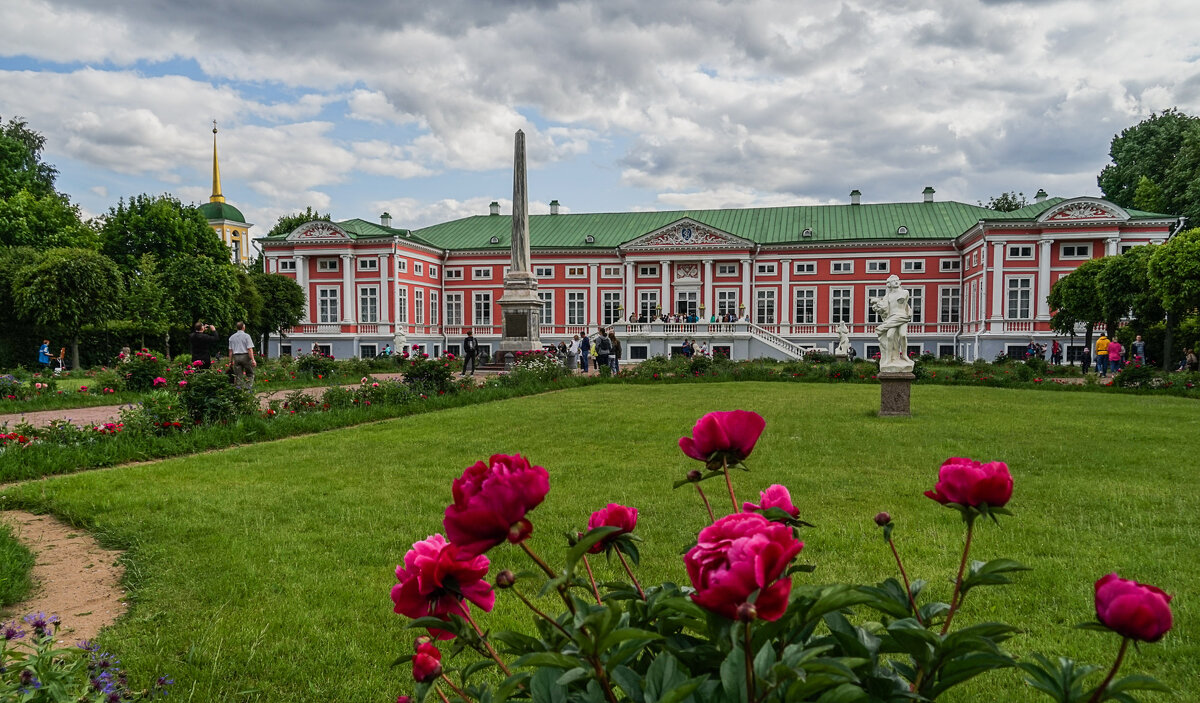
221	211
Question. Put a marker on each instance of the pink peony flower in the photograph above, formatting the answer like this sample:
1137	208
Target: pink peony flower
198	363
159	381
971	483
723	436
1131	609
438	578
374	385
738	556
775	496
427	663
612	515
491	500
182	384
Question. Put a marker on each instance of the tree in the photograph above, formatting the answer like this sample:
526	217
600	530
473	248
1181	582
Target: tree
1148	149
203	290
1174	275
49	221
287	223
1006	202
1148	196
148	309
1075	300
1123	286
67	289
21	165
158	225
282	305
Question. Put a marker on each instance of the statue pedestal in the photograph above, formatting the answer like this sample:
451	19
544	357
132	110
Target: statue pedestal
840	356
894	391
521	318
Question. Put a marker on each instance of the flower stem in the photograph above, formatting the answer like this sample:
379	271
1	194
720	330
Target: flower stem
592	579
440	694
454	688
629	571
749	666
541	614
492	652
956	599
1099	694
729	484
711	517
907	588
538	560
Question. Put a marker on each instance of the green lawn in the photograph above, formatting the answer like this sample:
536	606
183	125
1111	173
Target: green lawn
262	573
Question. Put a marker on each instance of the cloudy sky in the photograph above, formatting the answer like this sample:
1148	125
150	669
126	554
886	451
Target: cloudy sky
411	105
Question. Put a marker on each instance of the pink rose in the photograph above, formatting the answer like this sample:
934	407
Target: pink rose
737	556
159	381
491	500
612	515
775	496
437	578
1131	609
728	436
427	663
971	483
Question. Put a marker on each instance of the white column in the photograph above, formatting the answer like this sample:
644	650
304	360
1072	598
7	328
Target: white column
997	261
272	264
1110	246
1043	279
349	295
384	293
593	294
745	301
710	305
785	294
631	303
665	301
302	279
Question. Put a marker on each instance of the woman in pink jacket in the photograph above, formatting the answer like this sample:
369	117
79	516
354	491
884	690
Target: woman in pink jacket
1114	355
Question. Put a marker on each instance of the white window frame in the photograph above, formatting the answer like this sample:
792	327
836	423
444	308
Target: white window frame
402	305
912	266
916	301
946	296
454	309
610	272
804	268
841	267
363	347
1024	252
610	307
368	263
727	269
368	304
948	265
766	268
433	271
329	265
648	271
837	315
547	298
434	308
327	303
975	258
648	303
543	271
1010	288
879	266
576	272
766	309
1062	250
869	314
576	307
454	274
419	306
418	268
481	273
286	265
401	265
805	314
727	301
481	307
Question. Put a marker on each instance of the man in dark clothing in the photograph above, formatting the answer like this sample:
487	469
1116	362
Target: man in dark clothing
202	338
603	349
585	352
470	346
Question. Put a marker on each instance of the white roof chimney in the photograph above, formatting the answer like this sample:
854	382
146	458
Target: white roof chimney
928	193
855	197
385	219
553	207
1040	196
494	207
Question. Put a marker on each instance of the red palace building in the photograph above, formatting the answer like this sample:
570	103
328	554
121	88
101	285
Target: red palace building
761	282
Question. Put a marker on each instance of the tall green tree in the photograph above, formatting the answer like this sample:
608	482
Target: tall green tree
287	223
49	221
1174	275
1123	286
203	290
282	305
66	289
147	306
1147	149
21	165
158	225
1075	300
1006	202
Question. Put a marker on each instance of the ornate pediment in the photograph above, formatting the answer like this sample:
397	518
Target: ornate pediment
1084	210
690	234
318	232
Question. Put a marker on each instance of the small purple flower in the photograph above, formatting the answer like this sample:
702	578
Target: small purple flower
12	631
41	623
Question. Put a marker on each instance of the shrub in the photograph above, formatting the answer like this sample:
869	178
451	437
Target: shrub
298	402
1138	376
316	365
211	396
337	397
143	370
842	371
428	376
354	368
1038	364
160	412
818	356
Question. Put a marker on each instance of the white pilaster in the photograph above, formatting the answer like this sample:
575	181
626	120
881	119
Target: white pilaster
384	293
997	261
744	303
785	294
710	305
1043	279
593	294
1110	246
302	280
631	303
349	295
668	305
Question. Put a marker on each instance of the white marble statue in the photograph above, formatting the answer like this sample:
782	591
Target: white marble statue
843	345
895	311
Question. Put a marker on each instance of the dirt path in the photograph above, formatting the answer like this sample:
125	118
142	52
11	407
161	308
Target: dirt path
74	577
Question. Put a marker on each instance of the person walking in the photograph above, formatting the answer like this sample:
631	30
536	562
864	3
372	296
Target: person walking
614	358
1114	356
573	354
1102	355
470	348
585	352
201	340
44	357
1056	353
1138	350
1085	360
603	349
241	358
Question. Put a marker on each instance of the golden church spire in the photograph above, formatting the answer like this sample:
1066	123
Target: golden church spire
216	194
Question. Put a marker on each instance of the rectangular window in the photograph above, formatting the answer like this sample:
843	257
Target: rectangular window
483	308
287	264
547	298
367	351
368	304
841	267
647	271
766	269
327	305
727	302
610	272
640	352
483	273
1077	251
647	304
433	307
454	309
806	306
1020	292
454	274
877	266
949	305
544	271
327	264
576	308
727	269
764	307
368	264
419	306
285	350
951	264
402	305
576	272
916	300
1020	251
804	267
872	316
418	268
1125	248
913	266
611	304
839	305
433	271
401	265
975	258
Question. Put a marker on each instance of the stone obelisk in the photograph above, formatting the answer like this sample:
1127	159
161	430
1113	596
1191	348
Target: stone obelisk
520	307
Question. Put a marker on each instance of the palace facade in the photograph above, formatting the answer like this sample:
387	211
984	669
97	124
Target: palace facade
788	276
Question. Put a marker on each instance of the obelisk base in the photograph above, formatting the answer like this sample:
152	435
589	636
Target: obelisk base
520	318
894	393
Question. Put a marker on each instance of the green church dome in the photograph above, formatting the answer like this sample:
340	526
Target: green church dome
221	211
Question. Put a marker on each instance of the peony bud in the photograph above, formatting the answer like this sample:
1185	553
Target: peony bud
694	476
519	531
505	579
882	519
746	612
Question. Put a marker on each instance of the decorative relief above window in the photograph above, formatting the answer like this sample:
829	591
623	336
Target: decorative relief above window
687	271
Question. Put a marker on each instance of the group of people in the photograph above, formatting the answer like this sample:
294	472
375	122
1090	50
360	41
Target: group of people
691	318
1112	356
690	348
242	361
583	351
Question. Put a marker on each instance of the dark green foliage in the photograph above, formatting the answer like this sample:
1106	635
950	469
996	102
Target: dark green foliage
159	225
427	376
203	289
16	563
286	223
1006	201
21	165
316	365
1149	149
211	397
142	369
